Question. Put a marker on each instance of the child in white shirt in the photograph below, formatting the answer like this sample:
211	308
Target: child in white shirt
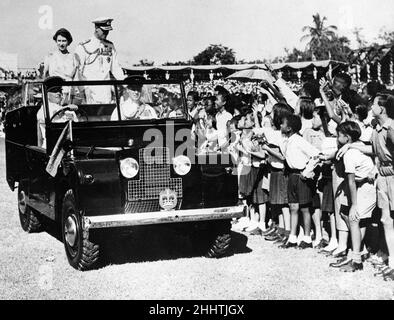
297	152
360	192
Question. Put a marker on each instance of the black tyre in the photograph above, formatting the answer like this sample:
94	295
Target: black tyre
81	253
212	239
29	218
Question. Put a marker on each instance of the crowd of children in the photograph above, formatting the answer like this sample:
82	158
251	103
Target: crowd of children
314	168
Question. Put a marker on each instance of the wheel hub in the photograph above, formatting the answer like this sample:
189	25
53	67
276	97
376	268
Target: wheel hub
22	202
70	231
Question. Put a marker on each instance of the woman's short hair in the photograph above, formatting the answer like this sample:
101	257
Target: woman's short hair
64	33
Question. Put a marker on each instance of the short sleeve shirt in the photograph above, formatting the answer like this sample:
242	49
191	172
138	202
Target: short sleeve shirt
383	147
297	151
358	163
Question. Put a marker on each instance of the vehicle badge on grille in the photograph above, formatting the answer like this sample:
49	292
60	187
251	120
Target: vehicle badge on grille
168	199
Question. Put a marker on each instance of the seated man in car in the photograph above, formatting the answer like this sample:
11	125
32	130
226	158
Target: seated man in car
131	106
54	100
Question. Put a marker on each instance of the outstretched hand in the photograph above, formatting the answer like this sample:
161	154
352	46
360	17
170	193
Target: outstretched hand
323	83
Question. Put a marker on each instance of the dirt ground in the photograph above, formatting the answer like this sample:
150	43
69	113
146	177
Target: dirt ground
160	265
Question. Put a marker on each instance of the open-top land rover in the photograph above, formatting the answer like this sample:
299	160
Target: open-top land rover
91	161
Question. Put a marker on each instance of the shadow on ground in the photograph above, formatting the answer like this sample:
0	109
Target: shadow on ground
154	244
146	243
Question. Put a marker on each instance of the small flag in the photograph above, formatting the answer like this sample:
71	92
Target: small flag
58	152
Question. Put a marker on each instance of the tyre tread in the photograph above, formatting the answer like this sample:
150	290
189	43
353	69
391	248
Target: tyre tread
90	251
33	222
214	242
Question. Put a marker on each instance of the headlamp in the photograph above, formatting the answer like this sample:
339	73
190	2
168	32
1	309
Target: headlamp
129	167
182	165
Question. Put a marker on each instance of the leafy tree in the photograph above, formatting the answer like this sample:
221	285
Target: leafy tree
339	48
143	63
257	61
319	36
295	55
178	63
386	36
215	54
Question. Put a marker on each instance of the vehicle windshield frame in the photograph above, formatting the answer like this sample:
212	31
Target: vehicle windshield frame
115	84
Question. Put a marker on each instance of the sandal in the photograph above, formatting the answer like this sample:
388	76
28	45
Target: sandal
383	271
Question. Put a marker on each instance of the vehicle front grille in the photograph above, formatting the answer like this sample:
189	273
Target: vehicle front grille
154	176
146	206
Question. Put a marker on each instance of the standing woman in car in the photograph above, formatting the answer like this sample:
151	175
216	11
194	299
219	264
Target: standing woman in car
61	63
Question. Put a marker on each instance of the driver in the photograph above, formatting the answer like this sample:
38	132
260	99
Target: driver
132	107
54	100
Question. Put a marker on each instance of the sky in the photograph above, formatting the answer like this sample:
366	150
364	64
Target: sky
177	30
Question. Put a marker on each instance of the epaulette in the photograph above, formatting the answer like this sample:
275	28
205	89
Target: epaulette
84	42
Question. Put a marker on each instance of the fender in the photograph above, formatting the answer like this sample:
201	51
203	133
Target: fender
96	184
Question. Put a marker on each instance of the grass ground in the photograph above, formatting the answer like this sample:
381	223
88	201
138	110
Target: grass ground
153	265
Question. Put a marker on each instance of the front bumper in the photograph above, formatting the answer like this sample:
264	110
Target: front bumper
160	217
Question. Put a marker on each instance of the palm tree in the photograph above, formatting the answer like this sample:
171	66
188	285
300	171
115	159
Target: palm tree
359	37
318	34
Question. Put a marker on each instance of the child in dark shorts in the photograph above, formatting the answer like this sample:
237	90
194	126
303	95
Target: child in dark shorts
315	136
298	152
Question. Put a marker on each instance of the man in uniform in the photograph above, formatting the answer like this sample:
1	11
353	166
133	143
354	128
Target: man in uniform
98	61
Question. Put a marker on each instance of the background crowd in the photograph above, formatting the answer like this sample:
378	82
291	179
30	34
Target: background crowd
315	166
27	75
